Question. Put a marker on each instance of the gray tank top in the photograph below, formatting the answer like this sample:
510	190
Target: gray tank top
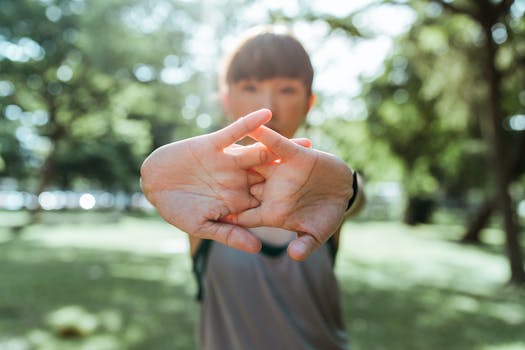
268	301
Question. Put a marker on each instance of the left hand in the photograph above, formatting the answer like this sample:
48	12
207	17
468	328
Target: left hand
306	191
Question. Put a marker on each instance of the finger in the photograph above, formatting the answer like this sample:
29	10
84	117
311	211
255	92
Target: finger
251	156
248	218
268	156
237	149
267	169
240	128
258	153
303	142
240	201
254	178
278	144
300	248
248	157
257	191
233	147
231	235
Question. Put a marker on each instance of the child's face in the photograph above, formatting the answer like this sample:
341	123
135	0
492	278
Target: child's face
287	98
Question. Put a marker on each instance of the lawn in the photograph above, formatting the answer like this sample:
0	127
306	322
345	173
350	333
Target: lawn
107	281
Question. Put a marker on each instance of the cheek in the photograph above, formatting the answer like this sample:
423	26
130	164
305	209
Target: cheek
292	122
296	110
237	110
239	107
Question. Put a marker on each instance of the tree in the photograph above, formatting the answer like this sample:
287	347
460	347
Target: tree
491	75
82	103
494	18
445	103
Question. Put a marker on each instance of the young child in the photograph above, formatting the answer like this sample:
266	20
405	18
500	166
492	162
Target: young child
268	198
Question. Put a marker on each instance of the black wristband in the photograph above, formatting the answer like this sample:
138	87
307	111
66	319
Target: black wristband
354	189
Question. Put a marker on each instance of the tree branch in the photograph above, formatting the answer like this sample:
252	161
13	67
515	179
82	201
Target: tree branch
504	6
456	9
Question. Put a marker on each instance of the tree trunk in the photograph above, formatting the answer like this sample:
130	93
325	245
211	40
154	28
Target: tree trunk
478	222
487	13
514	167
48	171
418	211
501	175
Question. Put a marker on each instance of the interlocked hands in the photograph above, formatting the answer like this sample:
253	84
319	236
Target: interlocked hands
212	188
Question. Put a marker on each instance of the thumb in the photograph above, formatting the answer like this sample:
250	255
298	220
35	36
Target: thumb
230	235
257	191
300	248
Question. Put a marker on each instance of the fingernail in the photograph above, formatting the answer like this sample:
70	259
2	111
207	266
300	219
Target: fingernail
298	251
254	246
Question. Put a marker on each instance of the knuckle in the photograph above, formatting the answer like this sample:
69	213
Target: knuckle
227	234
263	156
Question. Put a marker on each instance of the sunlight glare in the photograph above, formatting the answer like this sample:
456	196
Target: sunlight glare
87	201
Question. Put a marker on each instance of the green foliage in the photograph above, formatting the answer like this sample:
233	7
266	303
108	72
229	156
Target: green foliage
75	101
352	141
78	100
430	104
101	84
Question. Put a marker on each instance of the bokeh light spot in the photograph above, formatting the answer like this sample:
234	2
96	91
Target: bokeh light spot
87	201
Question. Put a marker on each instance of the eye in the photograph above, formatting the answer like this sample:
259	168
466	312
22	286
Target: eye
288	90
248	87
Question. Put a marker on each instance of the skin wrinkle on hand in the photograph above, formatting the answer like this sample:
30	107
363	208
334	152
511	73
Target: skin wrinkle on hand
194	201
300	190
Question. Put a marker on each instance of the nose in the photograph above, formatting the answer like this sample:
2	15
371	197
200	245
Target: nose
267	100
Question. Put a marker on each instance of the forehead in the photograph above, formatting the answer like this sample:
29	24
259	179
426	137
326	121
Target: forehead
269	83
274	80
267	56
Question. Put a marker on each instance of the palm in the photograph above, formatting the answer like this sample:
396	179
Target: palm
196	181
208	176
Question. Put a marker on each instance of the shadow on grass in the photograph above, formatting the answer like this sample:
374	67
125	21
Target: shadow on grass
137	302
430	317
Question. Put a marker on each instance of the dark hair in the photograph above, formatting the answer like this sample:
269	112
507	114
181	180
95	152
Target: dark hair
266	55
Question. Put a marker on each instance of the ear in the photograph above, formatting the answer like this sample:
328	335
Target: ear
225	102
311	101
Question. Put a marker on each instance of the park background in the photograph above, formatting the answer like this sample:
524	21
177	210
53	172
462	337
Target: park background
425	98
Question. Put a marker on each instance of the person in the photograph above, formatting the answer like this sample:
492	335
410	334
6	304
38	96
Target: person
245	205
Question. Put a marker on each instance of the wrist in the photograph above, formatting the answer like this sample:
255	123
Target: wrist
355	189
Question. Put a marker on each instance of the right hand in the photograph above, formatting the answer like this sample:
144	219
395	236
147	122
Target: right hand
195	182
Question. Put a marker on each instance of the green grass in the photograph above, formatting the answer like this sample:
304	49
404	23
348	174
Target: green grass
414	288
104	281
